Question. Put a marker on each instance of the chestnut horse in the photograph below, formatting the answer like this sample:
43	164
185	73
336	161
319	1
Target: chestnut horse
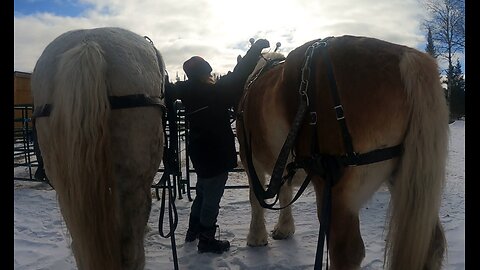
98	97
375	108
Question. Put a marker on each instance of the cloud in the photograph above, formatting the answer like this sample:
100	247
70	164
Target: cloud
219	30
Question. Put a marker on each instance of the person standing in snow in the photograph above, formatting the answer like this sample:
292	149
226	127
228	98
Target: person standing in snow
211	142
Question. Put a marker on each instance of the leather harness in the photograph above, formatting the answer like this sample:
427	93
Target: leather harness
329	167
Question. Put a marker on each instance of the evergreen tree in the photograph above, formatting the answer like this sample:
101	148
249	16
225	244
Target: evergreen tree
457	98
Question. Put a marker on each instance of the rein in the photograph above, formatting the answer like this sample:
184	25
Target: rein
329	167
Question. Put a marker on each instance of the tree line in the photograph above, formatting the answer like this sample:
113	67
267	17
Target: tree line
445	30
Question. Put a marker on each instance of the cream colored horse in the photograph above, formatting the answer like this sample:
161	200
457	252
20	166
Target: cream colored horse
98	102
391	97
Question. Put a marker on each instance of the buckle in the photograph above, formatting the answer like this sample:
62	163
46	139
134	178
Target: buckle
339	112
313	118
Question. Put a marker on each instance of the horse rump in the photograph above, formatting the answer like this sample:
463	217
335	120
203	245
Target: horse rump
389	97
100	161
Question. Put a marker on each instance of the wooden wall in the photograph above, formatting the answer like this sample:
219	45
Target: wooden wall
22	95
21	91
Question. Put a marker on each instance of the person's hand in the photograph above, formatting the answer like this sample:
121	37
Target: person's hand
261	43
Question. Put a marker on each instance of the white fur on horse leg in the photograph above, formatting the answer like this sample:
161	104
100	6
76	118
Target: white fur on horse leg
257	235
285	226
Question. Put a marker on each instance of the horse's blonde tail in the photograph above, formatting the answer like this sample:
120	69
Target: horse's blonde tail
83	174
415	239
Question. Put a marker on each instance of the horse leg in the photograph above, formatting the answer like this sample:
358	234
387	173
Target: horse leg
347	249
257	234
349	194
134	167
135	209
285	226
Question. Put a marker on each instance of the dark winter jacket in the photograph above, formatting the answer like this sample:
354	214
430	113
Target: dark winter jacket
211	142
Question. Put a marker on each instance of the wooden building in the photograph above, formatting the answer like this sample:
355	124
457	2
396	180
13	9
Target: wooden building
22	99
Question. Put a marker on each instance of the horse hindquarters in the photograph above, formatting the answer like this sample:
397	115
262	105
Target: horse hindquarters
101	162
74	140
415	238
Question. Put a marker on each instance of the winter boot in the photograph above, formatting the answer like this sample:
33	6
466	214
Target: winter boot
193	229
208	243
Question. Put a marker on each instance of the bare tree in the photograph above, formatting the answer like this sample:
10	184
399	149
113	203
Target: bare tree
430	48
446	22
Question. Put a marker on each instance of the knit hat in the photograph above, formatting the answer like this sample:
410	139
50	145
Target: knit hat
196	67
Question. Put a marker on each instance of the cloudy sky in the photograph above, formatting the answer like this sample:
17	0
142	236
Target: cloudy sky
217	30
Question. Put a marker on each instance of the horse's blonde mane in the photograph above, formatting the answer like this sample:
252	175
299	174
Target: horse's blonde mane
267	56
263	60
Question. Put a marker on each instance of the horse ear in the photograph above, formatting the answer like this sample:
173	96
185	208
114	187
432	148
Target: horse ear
239	58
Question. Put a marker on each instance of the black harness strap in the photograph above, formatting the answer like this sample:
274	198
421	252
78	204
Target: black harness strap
277	179
258	188
42	111
116	102
322	165
347	138
352	158
135	100
372	156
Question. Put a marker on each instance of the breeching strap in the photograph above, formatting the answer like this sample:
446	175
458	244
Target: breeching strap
277	179
116	102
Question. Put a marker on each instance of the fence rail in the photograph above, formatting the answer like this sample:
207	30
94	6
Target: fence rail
23	151
180	171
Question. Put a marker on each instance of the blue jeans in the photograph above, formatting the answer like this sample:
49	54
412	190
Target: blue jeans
209	192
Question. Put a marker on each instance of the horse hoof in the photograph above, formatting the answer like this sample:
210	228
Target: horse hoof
257	241
279	235
261	244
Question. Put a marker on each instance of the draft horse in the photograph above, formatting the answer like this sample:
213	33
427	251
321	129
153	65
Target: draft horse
373	112
98	99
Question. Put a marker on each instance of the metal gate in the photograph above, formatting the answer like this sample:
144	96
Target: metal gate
176	143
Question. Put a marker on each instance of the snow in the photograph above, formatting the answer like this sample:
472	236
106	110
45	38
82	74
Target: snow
41	240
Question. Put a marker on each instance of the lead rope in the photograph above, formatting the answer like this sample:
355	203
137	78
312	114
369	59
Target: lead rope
172	218
324	224
165	183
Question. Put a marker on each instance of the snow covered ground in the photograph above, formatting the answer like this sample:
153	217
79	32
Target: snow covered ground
41	240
